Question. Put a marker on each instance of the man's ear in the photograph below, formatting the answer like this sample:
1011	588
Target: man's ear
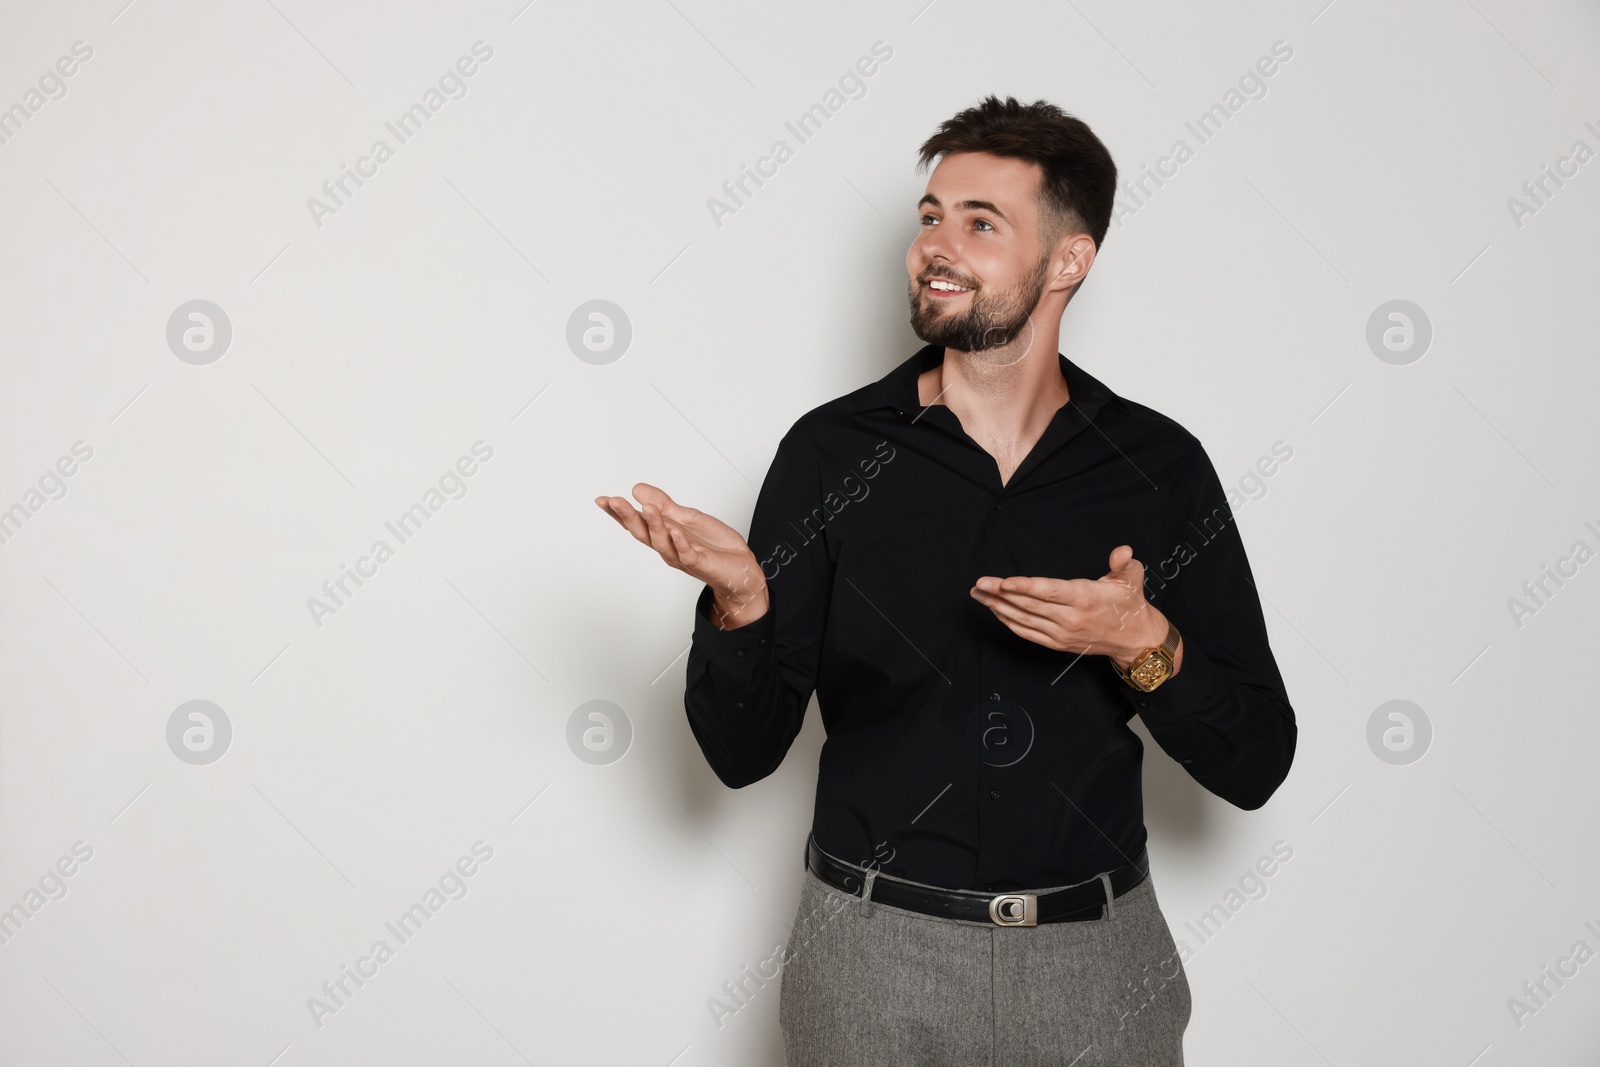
1075	255
1069	263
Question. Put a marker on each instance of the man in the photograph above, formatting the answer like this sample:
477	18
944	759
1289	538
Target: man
951	558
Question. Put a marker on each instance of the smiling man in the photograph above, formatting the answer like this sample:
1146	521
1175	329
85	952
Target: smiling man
950	558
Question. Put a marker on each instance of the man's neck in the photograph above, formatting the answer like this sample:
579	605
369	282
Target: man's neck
1004	395
1004	401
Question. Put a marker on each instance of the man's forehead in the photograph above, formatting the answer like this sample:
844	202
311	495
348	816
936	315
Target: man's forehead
977	181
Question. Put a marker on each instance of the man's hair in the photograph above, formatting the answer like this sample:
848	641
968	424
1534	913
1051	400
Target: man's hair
1079	180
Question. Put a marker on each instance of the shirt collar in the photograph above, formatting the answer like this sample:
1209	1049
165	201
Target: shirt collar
898	388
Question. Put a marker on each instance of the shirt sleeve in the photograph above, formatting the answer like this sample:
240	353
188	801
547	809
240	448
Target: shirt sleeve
747	689
1225	716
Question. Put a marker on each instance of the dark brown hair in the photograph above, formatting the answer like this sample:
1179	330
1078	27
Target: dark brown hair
1079	180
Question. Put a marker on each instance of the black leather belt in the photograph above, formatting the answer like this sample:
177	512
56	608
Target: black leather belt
1079	903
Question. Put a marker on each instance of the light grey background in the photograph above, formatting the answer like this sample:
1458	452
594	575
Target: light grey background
431	311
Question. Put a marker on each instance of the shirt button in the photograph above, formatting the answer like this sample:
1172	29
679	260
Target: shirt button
990	887
738	652
994	696
739	704
997	507
995	793
763	640
1188	761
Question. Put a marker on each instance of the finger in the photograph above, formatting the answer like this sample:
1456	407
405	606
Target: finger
669	508
1133	581
1125	568
1079	593
1017	602
687	553
1015	615
1040	588
672	537
627	517
679	544
1131	576
646	493
615	506
657	529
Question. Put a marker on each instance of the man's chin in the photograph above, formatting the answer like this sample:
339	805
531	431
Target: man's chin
941	338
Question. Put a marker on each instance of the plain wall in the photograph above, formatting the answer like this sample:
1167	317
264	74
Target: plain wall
373	345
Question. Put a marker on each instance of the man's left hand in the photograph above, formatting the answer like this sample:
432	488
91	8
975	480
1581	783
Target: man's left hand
1108	616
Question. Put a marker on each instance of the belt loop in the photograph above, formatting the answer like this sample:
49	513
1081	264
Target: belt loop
1105	880
866	892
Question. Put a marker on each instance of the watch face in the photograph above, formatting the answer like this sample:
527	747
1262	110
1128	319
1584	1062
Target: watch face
1151	673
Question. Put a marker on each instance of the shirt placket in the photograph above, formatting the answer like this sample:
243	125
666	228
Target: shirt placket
994	799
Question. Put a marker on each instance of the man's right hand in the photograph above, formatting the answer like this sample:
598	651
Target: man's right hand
701	546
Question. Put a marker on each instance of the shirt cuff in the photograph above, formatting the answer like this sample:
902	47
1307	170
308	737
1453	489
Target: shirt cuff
737	651
1183	694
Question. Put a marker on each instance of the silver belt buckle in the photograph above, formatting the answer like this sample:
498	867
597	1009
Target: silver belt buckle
1014	909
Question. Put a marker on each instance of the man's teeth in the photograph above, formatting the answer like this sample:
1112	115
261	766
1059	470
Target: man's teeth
947	287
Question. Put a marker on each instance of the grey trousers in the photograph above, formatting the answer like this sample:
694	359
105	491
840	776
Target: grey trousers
873	985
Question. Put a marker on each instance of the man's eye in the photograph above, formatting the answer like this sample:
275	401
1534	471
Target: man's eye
925	219
983	222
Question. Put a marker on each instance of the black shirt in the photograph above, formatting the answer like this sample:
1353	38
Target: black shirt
958	753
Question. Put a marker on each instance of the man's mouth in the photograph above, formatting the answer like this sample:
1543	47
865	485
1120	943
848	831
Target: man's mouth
940	289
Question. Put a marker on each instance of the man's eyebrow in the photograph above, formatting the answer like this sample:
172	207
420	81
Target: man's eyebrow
965	205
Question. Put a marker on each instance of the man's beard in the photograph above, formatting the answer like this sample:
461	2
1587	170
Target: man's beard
990	321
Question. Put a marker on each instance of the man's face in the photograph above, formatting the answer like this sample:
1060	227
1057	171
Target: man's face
979	231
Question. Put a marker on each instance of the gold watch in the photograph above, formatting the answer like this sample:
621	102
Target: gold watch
1154	665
